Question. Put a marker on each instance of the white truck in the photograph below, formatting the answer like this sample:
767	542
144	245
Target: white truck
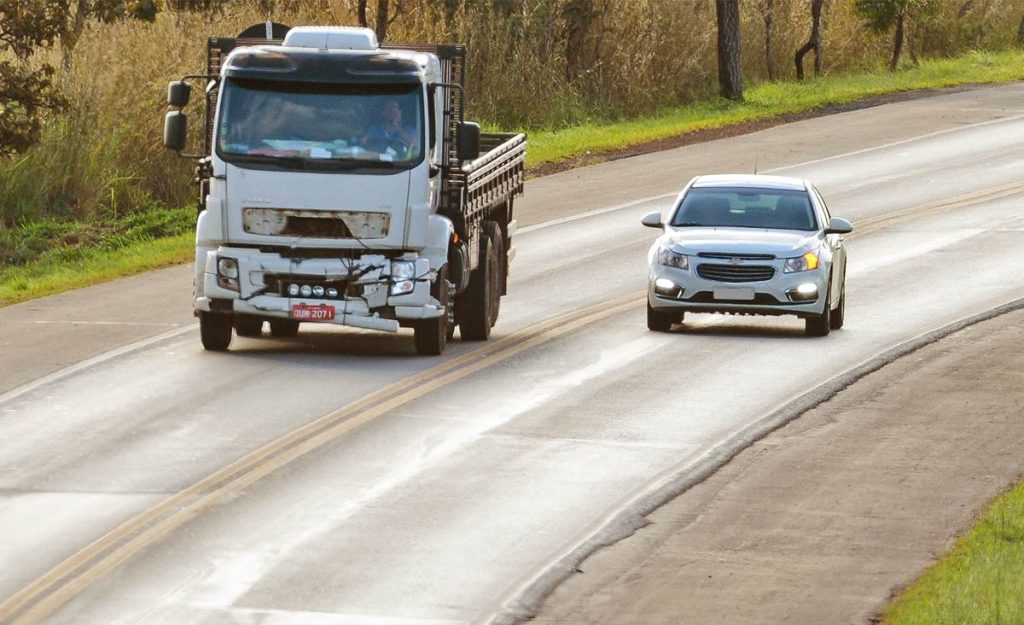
339	183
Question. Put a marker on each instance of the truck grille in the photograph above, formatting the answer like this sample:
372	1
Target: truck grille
735	273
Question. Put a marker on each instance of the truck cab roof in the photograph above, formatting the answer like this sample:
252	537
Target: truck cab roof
302	64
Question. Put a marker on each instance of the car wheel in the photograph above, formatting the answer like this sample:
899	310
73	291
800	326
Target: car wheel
215	331
821	325
658	321
248	326
839	314
283	328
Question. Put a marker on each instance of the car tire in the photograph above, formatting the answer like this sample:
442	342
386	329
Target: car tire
658	321
214	331
431	335
283	328
838	317
251	327
821	325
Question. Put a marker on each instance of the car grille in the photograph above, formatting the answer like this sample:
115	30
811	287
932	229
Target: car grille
727	256
735	273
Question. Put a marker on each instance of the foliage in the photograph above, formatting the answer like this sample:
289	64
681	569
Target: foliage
881	15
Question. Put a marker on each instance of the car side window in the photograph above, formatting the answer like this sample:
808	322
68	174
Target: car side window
824	207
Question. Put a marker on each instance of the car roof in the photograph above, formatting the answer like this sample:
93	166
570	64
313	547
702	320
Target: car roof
751	180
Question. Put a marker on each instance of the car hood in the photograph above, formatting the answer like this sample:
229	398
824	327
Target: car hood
779	243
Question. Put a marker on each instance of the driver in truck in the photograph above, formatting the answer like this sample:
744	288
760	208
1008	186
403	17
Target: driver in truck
388	132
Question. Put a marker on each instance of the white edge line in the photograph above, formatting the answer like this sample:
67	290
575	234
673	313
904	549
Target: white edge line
95	360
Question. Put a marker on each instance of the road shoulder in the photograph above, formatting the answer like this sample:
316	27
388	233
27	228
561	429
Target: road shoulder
821	521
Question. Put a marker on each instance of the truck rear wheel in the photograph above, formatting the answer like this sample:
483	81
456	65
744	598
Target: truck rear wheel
431	335
473	308
215	331
248	326
283	328
493	231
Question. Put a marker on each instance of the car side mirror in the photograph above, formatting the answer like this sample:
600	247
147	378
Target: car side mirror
838	225
467	141
178	93
652	220
175	128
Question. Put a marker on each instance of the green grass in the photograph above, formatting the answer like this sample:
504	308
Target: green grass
980	582
52	256
772	99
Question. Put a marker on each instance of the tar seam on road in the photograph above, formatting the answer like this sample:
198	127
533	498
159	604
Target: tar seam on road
65	580
524	602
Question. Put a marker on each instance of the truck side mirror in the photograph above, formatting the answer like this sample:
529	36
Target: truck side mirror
468	141
178	93
175	127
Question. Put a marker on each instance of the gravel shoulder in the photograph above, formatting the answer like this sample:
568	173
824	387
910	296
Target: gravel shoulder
825	519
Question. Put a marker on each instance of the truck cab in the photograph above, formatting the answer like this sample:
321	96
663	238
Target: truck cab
337	186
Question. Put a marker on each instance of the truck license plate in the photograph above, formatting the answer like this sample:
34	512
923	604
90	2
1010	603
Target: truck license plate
734	295
318	312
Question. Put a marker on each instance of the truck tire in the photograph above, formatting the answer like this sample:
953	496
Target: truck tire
248	326
283	328
473	307
431	335
493	231
215	331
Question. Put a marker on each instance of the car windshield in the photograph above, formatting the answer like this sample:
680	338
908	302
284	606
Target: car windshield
319	126
776	209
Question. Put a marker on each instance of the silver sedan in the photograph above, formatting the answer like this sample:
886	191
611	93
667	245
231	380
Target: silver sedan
748	244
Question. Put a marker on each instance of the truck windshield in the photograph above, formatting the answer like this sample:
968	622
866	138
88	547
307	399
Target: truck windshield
315	126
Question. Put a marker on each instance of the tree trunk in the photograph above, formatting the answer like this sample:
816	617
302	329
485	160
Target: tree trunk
361	13
897	41
730	73
814	43
382	20
768	12
1020	33
578	16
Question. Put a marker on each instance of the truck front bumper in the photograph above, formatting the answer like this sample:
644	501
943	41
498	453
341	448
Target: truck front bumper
260	287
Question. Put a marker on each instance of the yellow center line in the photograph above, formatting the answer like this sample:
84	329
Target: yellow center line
50	591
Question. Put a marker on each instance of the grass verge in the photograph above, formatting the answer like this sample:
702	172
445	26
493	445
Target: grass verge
773	99
39	267
980	582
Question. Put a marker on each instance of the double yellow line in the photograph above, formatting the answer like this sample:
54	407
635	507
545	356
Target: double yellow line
61	583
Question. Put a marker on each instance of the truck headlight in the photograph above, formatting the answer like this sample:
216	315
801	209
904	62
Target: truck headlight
806	262
227	267
671	259
403	274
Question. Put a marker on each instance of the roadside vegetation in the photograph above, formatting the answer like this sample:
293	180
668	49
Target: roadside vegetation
80	146
980	581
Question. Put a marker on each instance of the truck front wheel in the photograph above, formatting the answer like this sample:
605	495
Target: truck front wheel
431	335
473	307
215	331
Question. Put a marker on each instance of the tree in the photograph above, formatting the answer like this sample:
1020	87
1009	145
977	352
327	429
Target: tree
383	17
813	43
578	16
107	11
26	93
730	73
768	14
881	15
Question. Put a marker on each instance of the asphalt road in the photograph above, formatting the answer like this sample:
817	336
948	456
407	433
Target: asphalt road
337	478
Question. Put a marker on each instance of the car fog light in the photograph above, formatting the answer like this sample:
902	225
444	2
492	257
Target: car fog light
667	288
807	289
332	292
306	290
293	290
318	291
806	292
403	288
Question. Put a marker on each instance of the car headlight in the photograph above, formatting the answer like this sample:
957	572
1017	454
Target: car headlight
228	267
670	259
806	262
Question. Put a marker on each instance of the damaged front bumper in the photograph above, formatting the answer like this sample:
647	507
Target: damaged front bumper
371	291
